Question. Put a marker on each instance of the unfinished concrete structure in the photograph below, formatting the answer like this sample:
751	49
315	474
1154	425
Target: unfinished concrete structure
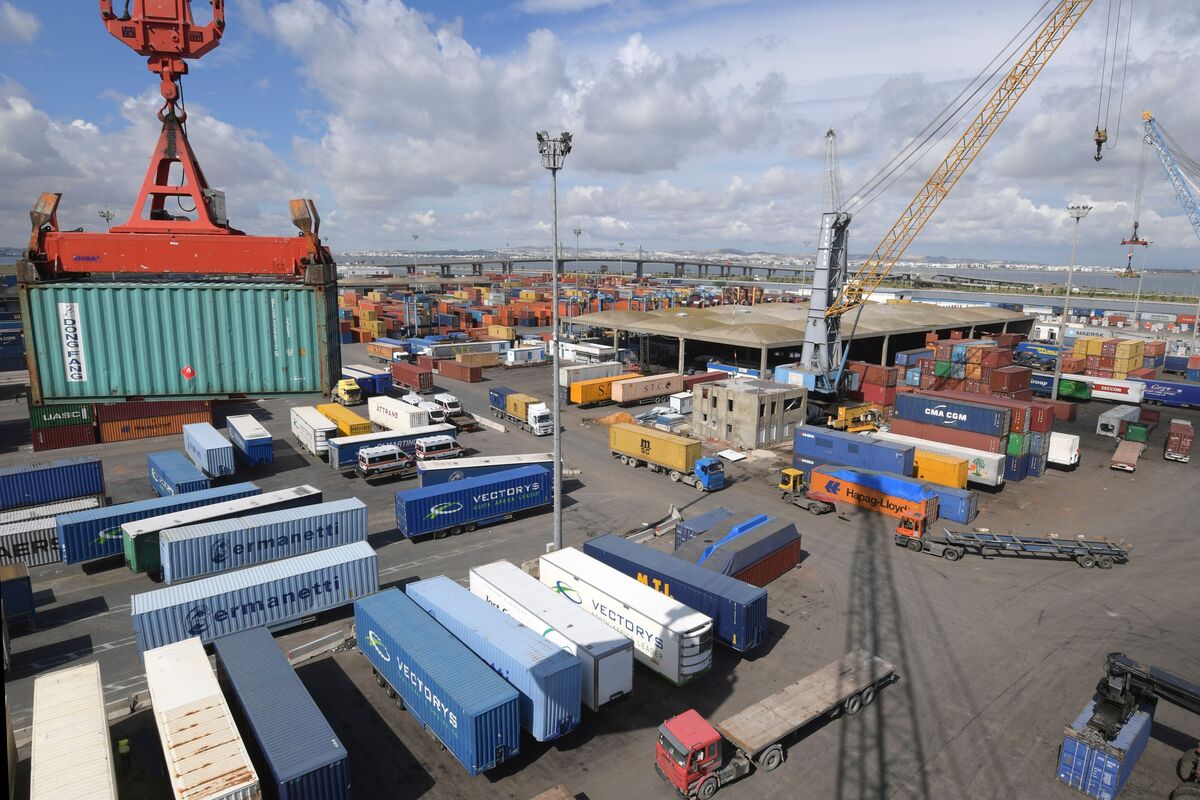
746	412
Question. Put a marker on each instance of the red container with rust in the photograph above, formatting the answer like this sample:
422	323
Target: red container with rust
1010	379
880	395
460	372
955	436
779	563
64	436
411	376
1179	441
997	357
705	377
875	375
1041	418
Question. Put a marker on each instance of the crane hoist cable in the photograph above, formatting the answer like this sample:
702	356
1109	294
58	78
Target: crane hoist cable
1108	64
946	120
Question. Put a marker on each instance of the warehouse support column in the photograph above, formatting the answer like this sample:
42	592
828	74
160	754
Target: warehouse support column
971	333
883	357
762	365
616	339
681	349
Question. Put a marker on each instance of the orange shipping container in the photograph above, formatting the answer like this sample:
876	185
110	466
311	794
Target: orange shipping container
837	490
597	390
125	430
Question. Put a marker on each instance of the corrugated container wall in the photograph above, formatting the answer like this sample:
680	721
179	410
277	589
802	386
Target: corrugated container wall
547	677
208	449
71	750
171	473
305	757
197	550
1100	768
96	532
472	500
957	414
61	437
180	339
252	441
738	610
852	450
689	529
757	555
456	697
206	757
49	510
270	594
37	484
31	542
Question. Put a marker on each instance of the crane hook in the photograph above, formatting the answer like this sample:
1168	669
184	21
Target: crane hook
1101	137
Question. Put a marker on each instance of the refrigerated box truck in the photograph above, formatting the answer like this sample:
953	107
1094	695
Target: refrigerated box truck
455	697
546	676
606	657
738	610
668	637
312	429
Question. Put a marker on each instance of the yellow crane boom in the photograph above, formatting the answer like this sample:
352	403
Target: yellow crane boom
876	268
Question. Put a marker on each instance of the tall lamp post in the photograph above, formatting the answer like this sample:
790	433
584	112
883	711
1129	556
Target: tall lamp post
107	216
1078	211
554	153
578	232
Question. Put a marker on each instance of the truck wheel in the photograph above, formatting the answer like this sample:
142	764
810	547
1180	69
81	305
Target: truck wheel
456	530
1087	561
379	679
853	704
389	691
699	487
470	526
399	702
708	788
1104	562
815	509
633	463
771	758
952	554
675	476
914	545
442	534
868	695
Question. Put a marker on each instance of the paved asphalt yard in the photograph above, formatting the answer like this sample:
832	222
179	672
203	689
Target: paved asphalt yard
995	656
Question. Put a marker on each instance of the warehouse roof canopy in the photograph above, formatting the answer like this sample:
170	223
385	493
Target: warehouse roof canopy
782	324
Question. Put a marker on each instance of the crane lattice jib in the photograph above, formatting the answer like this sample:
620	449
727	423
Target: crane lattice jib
1183	191
876	268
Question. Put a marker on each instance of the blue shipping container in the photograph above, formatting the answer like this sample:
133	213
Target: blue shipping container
171	474
16	590
471	502
366	383
96	533
252	441
497	396
1175	363
306	759
1037	465
1171	393
909	358
853	450
988	420
547	677
689	529
270	594
956	505
738	610
193	551
1016	468
471	710
895	485
208	449
1100	768
65	479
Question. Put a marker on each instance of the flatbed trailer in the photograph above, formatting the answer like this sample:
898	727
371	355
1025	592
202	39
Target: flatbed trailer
463	423
953	545
697	759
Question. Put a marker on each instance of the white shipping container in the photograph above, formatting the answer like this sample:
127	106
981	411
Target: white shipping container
312	429
1109	423
668	637
49	510
247	427
681	403
230	508
395	415
206	757
1064	449
983	467
587	372
606	656
71	752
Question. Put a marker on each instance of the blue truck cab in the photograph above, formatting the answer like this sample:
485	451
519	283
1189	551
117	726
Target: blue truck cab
709	472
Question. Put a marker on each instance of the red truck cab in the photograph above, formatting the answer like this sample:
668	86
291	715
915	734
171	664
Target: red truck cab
688	755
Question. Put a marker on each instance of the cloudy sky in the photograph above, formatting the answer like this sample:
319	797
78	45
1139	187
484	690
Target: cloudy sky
697	123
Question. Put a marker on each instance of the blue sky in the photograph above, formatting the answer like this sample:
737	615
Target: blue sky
698	123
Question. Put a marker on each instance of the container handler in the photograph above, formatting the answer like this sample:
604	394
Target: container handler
677	456
794	486
697	758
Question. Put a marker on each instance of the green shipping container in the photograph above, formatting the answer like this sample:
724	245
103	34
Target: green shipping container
1137	432
167	339
58	416
941	369
1018	444
1075	390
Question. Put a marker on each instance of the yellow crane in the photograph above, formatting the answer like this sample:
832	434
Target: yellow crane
834	294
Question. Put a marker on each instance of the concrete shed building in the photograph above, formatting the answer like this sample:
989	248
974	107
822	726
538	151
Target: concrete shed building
746	412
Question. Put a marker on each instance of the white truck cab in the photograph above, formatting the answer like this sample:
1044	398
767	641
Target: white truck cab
448	403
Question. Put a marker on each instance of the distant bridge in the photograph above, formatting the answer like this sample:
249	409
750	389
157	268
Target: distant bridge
681	267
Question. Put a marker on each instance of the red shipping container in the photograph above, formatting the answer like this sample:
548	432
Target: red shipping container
460	372
1042	418
928	366
881	395
1010	379
772	566
938	433
1182	319
1194	362
65	436
931	339
1158	347
1144	372
143	409
1107	362
997	357
1063	410
705	377
1092	362
879	376
412	376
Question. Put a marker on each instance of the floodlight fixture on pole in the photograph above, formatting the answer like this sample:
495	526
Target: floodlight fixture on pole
554	152
1078	211
108	217
578	232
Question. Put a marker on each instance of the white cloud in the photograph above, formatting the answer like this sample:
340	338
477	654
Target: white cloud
559	6
17	25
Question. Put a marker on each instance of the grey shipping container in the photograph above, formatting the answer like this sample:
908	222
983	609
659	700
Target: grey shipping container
738	610
548	677
49	509
689	529
274	595
193	551
757	555
208	449
48	482
304	756
456	697
32	542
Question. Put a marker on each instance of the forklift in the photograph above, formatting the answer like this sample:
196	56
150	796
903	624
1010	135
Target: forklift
863	418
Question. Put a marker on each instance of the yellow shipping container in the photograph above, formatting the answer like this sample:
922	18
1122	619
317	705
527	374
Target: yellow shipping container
1095	346
518	405
349	423
529	294
1080	348
667	450
940	469
503	332
478	359
597	390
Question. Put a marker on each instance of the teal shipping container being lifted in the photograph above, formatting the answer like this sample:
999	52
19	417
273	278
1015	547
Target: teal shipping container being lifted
98	341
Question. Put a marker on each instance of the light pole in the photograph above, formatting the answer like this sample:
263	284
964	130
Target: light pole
578	232
107	216
554	153
1078	211
621	245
